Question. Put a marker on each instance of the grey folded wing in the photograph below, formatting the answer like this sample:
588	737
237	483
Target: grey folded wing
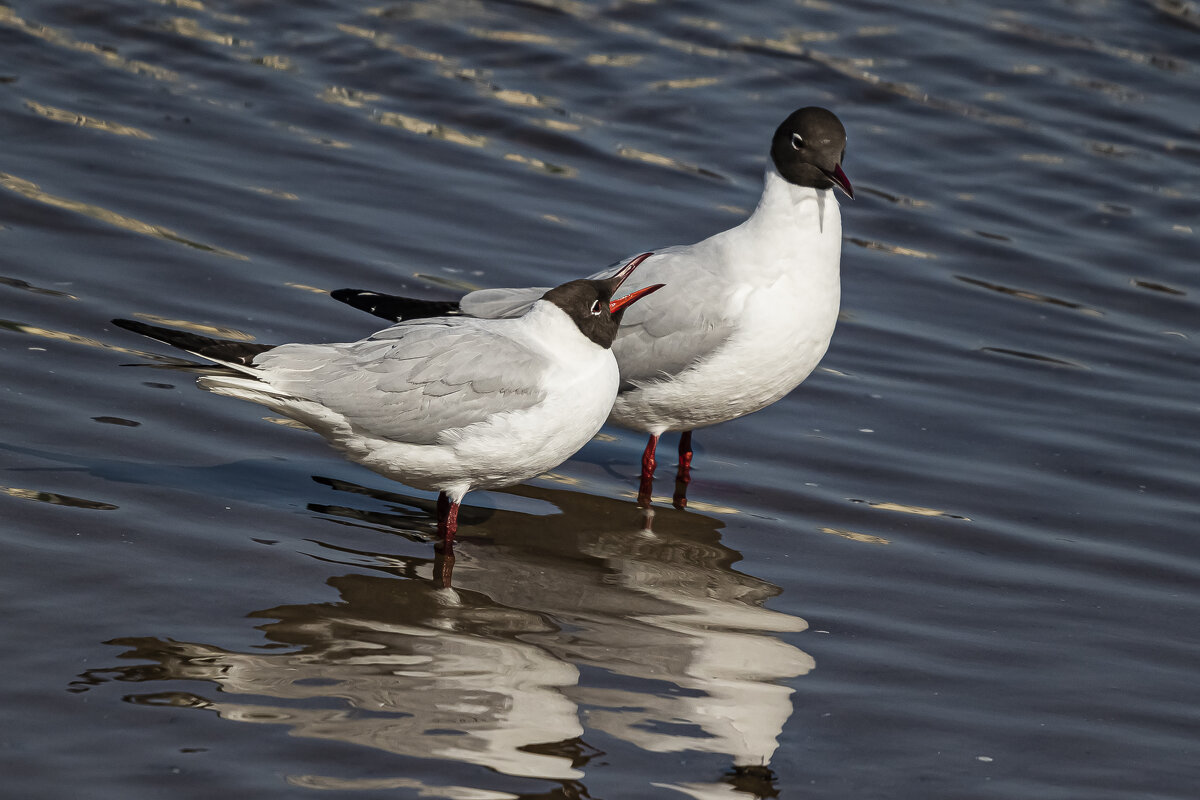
415	382
687	320
659	348
497	303
662	334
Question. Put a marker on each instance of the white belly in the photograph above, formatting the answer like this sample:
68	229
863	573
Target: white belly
781	336
506	449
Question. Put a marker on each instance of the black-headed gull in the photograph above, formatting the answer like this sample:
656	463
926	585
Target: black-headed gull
444	404
747	313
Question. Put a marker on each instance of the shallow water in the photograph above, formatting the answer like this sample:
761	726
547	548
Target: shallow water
959	562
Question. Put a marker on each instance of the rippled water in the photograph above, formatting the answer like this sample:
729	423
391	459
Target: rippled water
961	561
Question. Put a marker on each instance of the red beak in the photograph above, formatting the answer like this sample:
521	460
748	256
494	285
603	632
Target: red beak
620	276
627	270
840	180
617	305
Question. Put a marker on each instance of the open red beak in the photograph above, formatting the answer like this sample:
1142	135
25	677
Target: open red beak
623	273
617	305
627	270
840	180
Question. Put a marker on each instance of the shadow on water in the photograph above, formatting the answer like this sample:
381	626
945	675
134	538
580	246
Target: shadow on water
562	634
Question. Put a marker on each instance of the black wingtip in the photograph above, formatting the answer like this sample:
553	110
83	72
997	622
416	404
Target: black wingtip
347	295
220	350
394	308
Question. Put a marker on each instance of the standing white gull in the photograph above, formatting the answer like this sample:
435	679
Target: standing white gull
444	404
748	312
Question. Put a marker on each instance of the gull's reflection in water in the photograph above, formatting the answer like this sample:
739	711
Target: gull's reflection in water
557	627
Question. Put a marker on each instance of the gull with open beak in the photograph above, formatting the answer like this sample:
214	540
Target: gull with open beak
445	404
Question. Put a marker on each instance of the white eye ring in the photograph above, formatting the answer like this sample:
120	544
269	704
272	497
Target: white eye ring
797	141
595	309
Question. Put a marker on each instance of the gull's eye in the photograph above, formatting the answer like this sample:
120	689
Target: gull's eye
595	309
797	141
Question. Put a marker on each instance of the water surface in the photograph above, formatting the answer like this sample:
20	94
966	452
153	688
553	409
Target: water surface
959	562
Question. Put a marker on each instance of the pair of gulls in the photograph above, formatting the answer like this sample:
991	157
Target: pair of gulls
506	384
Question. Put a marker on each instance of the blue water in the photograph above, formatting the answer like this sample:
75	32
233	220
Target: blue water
960	561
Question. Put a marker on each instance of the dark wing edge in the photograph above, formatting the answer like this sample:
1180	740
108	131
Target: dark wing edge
222	351
395	308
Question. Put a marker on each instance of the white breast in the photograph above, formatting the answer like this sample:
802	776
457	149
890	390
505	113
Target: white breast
781	293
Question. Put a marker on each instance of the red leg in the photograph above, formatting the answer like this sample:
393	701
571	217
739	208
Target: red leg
447	521
684	476
443	562
443	568
646	489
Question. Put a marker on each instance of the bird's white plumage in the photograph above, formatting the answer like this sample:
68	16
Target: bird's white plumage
744	317
445	404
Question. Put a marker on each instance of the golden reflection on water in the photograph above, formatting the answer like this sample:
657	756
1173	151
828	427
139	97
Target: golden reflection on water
351	98
386	41
281	63
197	327
920	511
557	124
107	56
855	536
518	37
17	283
685	83
191	29
703	23
304	287
323	141
1041	158
432	129
74	338
56	499
32	191
515	97
190	5
858	69
278	194
663	161
1072	41
71	118
559	627
542	166
614	59
893	249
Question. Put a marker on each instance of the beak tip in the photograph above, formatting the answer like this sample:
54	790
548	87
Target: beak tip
629	299
841	181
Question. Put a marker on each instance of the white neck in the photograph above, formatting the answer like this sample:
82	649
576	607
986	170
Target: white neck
791	224
551	330
802	208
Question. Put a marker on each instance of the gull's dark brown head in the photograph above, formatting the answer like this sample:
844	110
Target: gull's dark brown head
808	150
590	302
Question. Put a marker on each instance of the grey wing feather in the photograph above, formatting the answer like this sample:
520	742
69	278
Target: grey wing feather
662	334
666	332
496	303
414	382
